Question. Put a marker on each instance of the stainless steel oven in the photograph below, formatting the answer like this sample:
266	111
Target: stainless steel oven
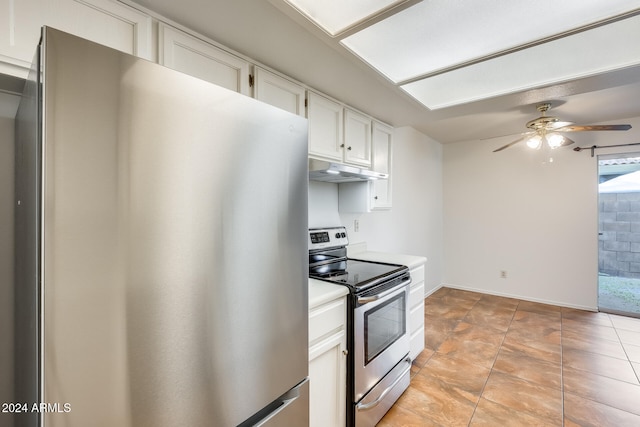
381	341
377	331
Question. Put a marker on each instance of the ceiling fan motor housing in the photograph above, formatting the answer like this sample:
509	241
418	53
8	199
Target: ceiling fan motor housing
542	122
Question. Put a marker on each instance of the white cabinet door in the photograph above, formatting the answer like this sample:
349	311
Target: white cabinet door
325	128
327	382
357	138
278	91
382	156
328	364
185	53
107	22
20	22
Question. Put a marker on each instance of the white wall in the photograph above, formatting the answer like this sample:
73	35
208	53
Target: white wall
6	265
414	225
506	211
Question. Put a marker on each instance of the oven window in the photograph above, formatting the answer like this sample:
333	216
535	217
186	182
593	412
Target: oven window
384	325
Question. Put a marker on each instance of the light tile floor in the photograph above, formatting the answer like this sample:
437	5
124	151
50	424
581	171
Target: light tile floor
494	361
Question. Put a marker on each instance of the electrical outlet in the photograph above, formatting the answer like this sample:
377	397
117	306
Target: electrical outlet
356	225
503	274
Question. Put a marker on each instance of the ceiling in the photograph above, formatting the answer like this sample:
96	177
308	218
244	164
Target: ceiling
274	34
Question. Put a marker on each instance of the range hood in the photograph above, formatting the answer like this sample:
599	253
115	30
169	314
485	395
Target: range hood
321	170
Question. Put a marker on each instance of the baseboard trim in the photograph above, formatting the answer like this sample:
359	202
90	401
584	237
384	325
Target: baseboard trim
520	297
432	291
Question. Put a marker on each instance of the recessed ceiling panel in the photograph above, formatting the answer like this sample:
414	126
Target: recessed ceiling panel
584	54
335	16
438	34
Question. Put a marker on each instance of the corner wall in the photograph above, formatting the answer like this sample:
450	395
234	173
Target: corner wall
414	225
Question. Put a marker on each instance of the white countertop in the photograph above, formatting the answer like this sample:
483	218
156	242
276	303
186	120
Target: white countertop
321	292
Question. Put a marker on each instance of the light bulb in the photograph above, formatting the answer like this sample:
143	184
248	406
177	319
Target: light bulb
534	142
554	140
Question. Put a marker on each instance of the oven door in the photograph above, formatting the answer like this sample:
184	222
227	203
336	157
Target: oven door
381	334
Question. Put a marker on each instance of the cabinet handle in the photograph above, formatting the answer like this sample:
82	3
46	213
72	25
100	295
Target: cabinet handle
376	197
341	145
345	352
349	148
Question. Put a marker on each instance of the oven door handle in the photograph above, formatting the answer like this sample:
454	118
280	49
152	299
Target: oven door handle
367	406
376	297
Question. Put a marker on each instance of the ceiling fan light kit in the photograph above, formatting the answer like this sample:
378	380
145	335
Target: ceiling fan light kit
552	140
545	131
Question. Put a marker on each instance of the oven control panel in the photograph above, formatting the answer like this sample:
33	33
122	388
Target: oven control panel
322	238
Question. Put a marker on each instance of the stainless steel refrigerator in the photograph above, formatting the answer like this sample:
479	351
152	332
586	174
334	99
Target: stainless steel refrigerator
161	254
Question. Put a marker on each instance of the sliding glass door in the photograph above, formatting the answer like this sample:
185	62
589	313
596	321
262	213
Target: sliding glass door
619	234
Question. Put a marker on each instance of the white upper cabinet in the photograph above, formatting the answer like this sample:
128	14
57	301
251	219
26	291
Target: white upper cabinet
357	138
338	133
325	128
382	156
107	22
20	23
278	91
190	55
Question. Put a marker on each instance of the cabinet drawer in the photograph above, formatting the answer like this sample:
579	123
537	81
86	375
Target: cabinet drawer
416	295
416	317
417	274
417	343
326	319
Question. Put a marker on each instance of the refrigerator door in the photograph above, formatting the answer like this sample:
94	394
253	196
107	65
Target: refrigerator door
27	249
175	257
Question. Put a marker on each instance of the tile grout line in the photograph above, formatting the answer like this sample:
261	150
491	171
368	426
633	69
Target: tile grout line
566	322
494	360
604	376
623	347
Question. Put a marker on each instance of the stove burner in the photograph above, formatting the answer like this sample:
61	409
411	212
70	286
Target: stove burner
358	275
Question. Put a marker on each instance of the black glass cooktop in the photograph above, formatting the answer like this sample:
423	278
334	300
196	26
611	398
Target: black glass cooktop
357	274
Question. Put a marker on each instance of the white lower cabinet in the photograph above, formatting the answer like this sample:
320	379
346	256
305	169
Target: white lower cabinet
416	311
327	364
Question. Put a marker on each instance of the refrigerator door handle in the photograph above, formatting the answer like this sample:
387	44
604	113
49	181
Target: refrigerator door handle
275	407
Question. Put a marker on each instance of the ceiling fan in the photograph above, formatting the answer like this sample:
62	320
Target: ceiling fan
546	129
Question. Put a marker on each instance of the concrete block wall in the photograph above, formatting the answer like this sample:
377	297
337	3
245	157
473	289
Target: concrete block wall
619	240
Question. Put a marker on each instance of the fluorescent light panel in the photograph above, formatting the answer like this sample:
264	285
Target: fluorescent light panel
584	54
438	34
336	16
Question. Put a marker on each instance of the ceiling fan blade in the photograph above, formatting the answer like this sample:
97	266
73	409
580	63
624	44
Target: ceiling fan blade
582	128
566	141
510	144
558	125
